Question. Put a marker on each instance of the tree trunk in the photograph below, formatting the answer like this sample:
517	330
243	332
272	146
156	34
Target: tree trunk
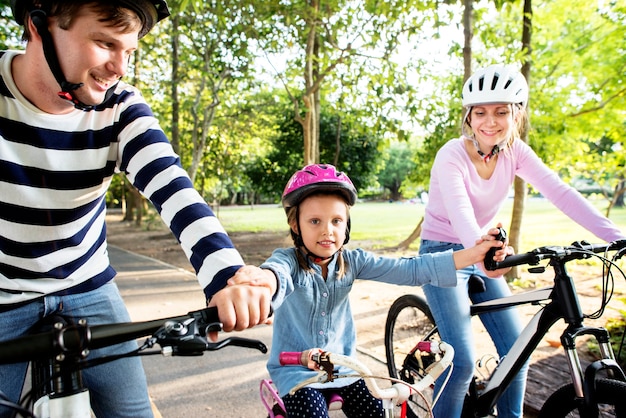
468	33
337	143
519	185
411	238
175	134
310	122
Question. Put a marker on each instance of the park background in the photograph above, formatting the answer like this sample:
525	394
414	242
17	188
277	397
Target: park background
248	91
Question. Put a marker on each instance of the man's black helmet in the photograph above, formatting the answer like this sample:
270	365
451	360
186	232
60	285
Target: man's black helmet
149	11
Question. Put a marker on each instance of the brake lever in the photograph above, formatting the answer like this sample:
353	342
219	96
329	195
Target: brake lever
620	246
323	361
237	342
186	338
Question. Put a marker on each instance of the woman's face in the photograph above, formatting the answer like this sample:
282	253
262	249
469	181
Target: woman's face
323	223
491	124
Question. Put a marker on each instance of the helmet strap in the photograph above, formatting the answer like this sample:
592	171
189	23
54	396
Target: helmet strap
40	20
494	151
314	257
486	157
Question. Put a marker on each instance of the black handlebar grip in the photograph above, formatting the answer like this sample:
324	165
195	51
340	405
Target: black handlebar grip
529	258
489	262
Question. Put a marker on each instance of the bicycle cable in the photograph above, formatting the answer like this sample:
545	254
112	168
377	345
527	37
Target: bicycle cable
16	408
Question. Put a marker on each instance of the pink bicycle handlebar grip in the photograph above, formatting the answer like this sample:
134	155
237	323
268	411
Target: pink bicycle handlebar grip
290	358
424	346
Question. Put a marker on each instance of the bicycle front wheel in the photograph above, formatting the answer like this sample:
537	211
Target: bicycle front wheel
611	401
410	321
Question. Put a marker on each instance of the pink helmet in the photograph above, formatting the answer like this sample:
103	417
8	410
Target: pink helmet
314	178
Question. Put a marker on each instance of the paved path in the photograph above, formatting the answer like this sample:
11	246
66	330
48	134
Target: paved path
226	383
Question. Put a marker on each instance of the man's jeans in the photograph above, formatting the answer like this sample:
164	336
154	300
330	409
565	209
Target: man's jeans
118	388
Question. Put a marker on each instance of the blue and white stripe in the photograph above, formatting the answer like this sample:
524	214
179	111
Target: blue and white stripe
54	174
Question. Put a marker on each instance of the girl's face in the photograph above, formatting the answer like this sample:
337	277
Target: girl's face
323	223
491	124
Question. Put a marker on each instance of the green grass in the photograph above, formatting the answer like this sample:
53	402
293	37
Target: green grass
253	218
384	224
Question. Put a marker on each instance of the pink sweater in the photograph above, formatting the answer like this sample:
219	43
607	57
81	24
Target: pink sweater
462	206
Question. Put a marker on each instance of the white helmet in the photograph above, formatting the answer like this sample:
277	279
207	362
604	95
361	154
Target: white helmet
495	84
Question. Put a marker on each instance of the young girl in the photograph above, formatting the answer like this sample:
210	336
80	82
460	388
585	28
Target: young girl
311	303
470	180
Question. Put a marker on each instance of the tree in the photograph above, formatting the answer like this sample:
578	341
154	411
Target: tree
11	33
358	153
348	52
397	163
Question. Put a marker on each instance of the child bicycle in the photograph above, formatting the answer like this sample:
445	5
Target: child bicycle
58	355
598	391
325	362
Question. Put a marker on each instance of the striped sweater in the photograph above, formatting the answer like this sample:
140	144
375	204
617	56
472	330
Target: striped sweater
54	174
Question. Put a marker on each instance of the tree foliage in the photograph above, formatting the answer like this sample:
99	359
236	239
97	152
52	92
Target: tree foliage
342	143
348	53
381	70
397	162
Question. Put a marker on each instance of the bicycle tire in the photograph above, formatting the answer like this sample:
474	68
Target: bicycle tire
611	395
409	321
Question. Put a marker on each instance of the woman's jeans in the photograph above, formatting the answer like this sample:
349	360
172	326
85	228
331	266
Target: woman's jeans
118	388
451	309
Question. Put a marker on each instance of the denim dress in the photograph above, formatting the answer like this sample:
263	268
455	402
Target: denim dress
313	312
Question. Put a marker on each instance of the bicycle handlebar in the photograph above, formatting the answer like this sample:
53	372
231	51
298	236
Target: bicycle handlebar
179	335
399	392
577	250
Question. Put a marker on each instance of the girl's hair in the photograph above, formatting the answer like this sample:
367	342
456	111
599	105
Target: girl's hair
292	219
114	15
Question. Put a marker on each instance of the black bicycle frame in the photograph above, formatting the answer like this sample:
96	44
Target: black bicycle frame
563	305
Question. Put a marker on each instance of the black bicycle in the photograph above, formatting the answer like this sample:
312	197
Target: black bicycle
58	355
598	391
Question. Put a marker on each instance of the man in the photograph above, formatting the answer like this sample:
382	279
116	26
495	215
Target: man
67	123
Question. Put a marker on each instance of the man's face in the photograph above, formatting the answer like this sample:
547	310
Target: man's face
93	53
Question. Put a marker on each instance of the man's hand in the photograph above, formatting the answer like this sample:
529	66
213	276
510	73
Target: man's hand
241	306
255	276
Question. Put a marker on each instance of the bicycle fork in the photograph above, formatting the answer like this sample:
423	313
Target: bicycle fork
584	383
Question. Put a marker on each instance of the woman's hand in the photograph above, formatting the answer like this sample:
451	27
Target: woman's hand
499	255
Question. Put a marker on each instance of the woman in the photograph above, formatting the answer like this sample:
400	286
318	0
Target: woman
470	180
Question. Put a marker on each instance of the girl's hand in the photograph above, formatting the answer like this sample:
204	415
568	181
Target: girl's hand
501	254
245	301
